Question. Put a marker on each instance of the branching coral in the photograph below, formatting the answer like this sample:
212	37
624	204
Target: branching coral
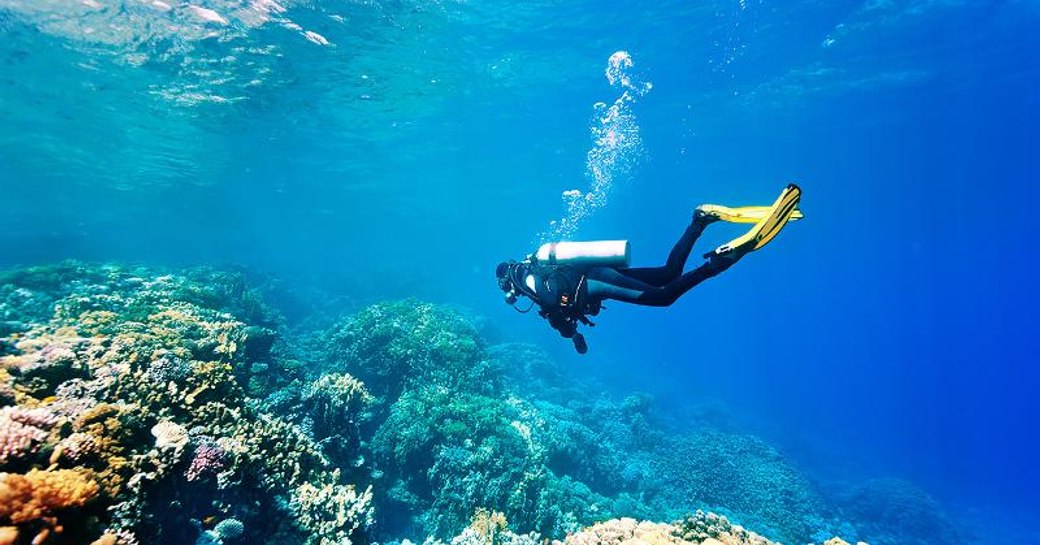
209	459
46	358
701	528
332	513
23	431
116	537
336	404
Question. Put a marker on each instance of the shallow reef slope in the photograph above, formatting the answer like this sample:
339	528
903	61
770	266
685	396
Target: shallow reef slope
140	406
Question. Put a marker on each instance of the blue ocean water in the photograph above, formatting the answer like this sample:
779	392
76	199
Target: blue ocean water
402	149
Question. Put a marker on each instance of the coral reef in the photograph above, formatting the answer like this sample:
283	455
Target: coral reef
146	381
210	459
140	406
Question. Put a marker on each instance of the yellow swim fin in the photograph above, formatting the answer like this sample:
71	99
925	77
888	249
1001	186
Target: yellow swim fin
782	211
742	214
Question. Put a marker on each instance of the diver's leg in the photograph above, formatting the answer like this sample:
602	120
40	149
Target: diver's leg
670	292
660	276
608	283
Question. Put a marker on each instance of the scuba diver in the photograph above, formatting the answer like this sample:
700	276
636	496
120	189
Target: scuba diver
569	281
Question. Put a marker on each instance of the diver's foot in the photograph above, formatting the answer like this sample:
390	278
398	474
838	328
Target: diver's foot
725	255
704	214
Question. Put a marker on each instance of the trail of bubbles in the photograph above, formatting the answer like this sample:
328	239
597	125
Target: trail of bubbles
617	147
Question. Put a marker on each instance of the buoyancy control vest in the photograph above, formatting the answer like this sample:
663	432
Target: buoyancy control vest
561	293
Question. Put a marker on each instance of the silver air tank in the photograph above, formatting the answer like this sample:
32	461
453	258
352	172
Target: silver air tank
597	253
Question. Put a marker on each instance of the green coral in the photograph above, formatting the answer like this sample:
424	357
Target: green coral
457	451
393	347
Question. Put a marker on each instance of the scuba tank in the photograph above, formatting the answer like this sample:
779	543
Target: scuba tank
599	253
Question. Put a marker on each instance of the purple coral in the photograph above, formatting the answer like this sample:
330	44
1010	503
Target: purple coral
75	397
49	353
56	354
78	446
37	418
209	459
22	431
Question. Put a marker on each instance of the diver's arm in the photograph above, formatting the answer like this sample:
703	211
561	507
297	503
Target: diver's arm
567	327
579	343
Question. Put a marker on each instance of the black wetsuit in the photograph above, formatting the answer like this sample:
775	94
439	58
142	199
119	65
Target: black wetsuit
566	295
655	286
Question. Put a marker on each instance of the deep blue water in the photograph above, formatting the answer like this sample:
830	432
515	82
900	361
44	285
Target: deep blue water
892	333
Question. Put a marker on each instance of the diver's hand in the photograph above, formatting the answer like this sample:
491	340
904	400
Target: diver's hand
579	343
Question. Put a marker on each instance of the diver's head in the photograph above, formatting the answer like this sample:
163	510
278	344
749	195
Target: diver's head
504	273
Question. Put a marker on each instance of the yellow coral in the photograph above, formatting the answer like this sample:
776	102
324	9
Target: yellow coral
20	397
101	423
98	321
489	525
39	493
